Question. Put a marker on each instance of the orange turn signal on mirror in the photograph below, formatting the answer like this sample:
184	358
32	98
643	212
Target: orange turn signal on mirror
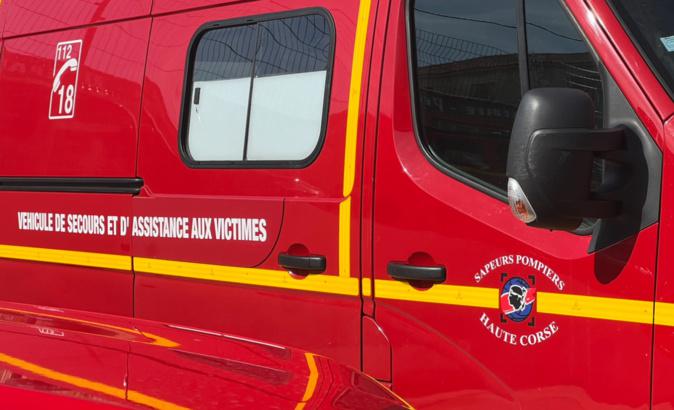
519	203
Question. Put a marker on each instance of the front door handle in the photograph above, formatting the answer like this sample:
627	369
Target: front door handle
302	264
412	273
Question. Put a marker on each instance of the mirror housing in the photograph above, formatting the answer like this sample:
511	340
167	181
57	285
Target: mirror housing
552	152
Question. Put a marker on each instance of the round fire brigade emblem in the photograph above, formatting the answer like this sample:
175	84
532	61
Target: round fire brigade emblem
517	299
518	278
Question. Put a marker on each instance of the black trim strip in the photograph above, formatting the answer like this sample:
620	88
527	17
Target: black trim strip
249	110
523	47
81	185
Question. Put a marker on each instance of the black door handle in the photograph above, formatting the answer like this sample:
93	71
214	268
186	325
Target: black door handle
411	273
303	264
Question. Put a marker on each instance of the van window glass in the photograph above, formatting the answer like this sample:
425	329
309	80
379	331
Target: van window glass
258	92
467	82
469	74
558	55
649	22
223	69
291	67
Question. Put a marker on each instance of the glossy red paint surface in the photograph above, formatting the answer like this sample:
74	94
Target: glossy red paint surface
34	16
444	356
102	143
435	353
208	248
298	319
20	398
301	206
69	359
64	285
169	6
663	353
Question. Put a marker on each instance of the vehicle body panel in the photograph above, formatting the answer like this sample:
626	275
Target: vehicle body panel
172	6
17	398
370	197
304	209
80	271
472	355
112	361
34	16
663	357
101	142
77	269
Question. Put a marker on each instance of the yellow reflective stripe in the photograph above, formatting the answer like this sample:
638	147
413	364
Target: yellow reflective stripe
442	294
367	287
144	399
664	314
312	381
622	310
616	309
345	238
89	259
248	276
351	141
83	383
355	91
561	304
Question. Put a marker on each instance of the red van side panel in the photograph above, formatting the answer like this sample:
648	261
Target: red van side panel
77	281
301	205
441	356
101	67
35	16
100	139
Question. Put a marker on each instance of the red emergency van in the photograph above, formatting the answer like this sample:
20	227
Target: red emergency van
339	176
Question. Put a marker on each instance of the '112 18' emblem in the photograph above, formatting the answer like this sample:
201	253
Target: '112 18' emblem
64	83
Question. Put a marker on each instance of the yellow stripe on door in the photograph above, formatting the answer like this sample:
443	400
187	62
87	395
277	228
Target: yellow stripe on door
65	257
561	304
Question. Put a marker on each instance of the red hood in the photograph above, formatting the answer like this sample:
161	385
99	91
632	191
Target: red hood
120	362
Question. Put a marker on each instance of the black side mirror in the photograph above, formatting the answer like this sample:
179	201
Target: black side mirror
553	148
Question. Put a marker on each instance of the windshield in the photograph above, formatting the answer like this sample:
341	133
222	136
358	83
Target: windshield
650	24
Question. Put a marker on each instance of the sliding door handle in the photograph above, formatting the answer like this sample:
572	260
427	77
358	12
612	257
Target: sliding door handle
412	273
303	264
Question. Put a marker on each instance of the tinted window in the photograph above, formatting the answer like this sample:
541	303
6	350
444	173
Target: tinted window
650	24
558	54
469	82
559	57
467	79
258	92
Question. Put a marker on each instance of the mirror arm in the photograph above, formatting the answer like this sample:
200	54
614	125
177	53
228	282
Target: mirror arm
578	139
593	141
594	208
